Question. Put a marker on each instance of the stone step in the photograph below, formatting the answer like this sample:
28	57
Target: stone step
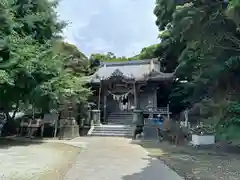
113	126
112	130
123	115
115	119
99	127
120	120
118	115
110	134
128	113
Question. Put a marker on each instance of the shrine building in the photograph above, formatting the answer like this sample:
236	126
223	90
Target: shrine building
121	87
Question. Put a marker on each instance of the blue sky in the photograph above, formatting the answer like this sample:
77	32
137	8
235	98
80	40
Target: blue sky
123	27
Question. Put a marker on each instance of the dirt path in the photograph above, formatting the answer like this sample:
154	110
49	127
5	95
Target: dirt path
38	161
117	159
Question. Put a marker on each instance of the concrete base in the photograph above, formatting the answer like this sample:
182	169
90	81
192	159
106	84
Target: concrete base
96	116
150	133
203	140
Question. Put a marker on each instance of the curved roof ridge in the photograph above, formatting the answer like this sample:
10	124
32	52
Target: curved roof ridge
130	62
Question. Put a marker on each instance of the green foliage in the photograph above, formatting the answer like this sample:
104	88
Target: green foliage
32	71
74	60
36	18
108	57
164	10
229	125
96	59
200	42
146	53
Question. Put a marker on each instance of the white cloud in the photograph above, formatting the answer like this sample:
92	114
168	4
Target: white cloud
121	26
98	45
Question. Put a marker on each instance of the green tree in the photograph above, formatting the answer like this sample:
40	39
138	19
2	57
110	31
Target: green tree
147	53
97	58
36	18
95	61
31	71
204	38
75	61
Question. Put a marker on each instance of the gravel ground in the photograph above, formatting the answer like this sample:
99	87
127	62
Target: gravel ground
195	164
38	161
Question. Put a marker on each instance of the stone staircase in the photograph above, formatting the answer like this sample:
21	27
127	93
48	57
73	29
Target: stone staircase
119	125
123	118
111	130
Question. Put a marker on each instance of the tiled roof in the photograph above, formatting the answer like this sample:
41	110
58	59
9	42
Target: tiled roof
137	70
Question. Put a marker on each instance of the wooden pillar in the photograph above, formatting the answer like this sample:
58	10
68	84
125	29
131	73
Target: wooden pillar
99	95
155	97
136	100
105	106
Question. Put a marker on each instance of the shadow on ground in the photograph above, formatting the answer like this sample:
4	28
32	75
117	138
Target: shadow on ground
188	149
196	163
8	142
153	171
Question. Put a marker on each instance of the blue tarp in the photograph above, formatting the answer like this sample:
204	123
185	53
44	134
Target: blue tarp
157	121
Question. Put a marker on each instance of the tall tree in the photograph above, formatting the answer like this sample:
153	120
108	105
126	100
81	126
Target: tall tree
75	60
147	53
97	58
31	71
207	62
